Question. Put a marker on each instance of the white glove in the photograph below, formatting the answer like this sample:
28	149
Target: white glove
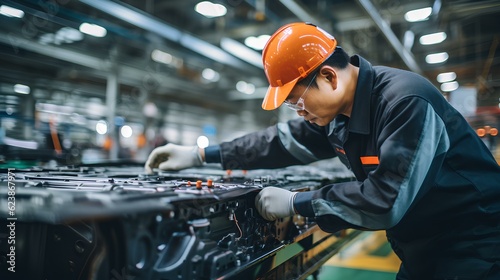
173	157
273	203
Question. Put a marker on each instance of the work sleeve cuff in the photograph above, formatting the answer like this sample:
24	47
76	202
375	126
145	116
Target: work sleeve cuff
212	154
302	204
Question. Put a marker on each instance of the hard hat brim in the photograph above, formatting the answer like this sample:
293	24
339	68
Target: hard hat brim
275	96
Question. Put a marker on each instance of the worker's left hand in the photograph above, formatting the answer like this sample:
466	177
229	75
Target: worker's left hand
273	203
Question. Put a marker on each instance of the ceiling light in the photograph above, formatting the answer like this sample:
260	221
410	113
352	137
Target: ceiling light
11	12
257	43
101	127
436	58
22	89
93	29
446	77
210	75
166	58
162	57
202	141
126	131
70	34
418	15
150	110
210	10
434	38
450	86
408	39
244	87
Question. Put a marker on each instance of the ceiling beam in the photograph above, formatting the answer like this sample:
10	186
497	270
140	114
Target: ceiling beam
403	52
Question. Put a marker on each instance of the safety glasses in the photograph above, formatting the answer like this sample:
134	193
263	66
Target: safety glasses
299	105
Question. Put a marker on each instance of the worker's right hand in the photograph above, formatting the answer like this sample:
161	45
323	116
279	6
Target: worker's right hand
273	203
173	157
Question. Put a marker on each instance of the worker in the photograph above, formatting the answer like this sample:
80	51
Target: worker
423	175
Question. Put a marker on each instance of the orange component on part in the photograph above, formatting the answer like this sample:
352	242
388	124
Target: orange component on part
55	137
141	140
108	143
210	183
198	185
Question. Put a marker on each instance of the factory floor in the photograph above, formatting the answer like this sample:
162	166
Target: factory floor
368	257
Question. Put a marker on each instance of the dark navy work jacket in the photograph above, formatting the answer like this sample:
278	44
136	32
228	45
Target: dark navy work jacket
423	174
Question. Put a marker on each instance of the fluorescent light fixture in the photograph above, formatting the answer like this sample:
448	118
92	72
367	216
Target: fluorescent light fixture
70	34
246	88
161	56
150	110
93	29
101	127
446	77
63	35
202	141
449	86
418	15
257	43
22	89
241	51
210	75
433	38
210	10
126	131
408	39
436	57
11	12
166	58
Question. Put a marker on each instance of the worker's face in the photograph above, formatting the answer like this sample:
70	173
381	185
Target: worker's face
324	102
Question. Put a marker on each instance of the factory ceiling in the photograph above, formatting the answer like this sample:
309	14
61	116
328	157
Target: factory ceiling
162	48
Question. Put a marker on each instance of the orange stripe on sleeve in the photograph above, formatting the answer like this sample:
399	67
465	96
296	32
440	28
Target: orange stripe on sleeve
367	160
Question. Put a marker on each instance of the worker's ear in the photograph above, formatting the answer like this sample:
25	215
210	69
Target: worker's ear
330	75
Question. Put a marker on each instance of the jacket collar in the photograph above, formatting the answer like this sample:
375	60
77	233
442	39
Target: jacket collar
360	115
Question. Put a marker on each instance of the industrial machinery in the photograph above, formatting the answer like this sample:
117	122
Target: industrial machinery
112	221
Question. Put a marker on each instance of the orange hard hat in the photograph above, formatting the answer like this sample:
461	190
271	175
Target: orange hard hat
291	54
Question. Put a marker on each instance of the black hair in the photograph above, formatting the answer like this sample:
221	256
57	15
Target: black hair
338	59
